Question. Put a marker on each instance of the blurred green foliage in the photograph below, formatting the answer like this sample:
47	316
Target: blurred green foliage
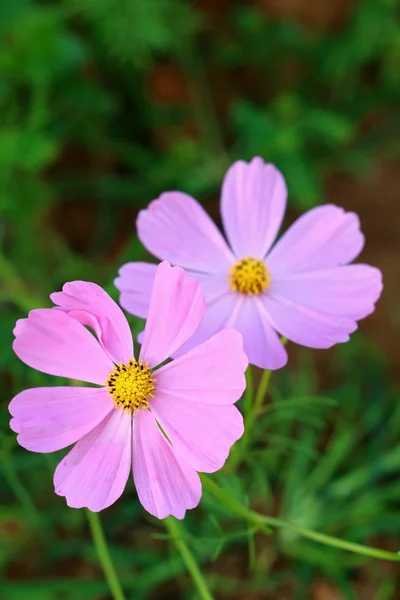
104	105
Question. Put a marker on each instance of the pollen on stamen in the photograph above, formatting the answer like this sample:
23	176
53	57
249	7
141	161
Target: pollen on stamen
249	276
131	385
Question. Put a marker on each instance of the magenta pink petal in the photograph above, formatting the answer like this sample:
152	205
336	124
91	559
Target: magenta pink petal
260	342
95	472
349	291
176	228
253	204
135	283
306	326
165	483
51	418
51	341
212	373
176	309
199	432
323	237
88	303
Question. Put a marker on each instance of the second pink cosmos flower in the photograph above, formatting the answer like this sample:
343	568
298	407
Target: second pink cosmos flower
301	287
165	423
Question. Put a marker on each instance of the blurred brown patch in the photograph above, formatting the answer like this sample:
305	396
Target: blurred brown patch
211	8
168	85
316	15
322	590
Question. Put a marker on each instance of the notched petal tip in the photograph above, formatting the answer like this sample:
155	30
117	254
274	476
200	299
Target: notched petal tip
15	424
324	237
95	472
165	483
253	203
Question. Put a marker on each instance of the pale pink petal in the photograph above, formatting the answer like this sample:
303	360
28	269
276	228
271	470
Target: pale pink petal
213	285
306	326
51	418
95	472
323	237
260	342
51	341
89	304
135	283
176	228
253	204
349	291
211	373
201	433
165	483
218	314
176	309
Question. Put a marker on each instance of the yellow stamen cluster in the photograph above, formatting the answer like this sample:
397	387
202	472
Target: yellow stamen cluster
131	385
249	276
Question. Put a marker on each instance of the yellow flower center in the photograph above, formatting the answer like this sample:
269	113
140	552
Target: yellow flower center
131	385
249	276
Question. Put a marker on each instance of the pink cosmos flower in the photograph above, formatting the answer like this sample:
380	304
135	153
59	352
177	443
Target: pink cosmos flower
301	287
119	424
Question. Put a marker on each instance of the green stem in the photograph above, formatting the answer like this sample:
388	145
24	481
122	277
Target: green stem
174	529
250	412
248	394
261	391
234	505
263	387
100	544
262	522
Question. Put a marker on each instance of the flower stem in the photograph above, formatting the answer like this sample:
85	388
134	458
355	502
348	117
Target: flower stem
100	544
174	529
261	391
250	412
262	522
263	386
248	395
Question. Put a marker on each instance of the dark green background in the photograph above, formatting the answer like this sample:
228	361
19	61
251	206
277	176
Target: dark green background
104	104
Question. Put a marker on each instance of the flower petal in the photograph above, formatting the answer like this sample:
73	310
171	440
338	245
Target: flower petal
165	483
213	285
260	342
201	433
177	228
89	304
211	373
94	473
349	291
50	418
218	314
253	203
51	341
176	309
135	283
324	237
306	326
